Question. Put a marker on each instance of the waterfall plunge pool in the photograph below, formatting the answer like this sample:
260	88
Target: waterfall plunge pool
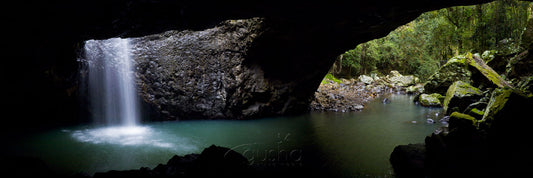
349	144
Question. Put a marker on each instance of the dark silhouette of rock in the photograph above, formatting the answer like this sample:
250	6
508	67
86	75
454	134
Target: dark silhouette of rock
21	166
408	160
214	161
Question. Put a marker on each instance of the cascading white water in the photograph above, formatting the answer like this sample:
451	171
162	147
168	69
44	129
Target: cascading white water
111	82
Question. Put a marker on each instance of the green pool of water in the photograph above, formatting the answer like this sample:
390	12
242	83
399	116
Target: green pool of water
348	144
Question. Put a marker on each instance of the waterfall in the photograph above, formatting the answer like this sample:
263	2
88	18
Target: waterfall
111	82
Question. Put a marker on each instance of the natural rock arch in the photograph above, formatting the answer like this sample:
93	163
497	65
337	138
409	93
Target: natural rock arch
297	48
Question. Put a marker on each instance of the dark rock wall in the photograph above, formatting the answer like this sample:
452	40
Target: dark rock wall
204	74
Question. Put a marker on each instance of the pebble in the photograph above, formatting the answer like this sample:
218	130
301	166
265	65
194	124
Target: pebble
430	121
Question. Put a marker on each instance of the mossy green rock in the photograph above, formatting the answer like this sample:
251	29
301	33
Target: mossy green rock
490	77
506	105
460	95
462	121
456	69
476	113
433	100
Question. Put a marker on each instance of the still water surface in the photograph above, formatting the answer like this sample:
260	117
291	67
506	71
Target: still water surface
350	144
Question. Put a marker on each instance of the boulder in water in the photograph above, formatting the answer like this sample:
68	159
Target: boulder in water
430	121
432	100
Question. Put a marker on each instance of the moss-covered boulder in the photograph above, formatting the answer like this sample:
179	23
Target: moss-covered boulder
497	102
506	105
462	121
459	96
467	68
432	100
456	69
476	113
486	76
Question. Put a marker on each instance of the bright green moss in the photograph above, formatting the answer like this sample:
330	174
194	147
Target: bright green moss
477	112
459	89
497	102
330	77
458	115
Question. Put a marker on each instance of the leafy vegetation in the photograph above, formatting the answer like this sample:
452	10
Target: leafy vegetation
423	45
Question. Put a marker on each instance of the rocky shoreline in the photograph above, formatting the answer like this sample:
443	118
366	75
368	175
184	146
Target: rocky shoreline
348	95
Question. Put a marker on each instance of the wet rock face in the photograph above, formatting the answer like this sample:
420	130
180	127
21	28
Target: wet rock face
204	75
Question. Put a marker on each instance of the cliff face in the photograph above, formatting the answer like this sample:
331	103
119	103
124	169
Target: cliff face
205	74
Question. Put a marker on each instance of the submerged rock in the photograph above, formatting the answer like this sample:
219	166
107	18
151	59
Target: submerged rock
430	121
459	96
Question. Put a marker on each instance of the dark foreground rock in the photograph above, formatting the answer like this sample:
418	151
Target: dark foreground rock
216	161
408	160
17	166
